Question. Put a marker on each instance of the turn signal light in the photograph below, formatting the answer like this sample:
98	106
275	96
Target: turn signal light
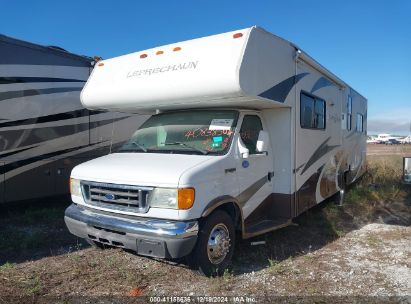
143	55
159	52
186	198
100	64
238	35
176	49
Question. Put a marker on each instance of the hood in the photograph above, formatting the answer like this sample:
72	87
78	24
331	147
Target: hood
140	169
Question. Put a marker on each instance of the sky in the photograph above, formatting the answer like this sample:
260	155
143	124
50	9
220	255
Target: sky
365	43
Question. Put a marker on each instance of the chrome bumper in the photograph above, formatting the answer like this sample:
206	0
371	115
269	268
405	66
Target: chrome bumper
152	237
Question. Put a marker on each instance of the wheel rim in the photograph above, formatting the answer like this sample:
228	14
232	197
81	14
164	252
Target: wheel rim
218	244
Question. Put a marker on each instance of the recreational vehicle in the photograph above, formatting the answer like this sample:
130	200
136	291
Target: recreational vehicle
387	138
44	129
406	140
248	132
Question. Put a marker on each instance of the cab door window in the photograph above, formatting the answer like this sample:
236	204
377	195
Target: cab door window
250	129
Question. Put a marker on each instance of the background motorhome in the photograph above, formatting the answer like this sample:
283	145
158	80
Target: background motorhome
406	140
387	138
44	129
372	140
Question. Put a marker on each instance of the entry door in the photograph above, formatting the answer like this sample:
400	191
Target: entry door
255	172
318	137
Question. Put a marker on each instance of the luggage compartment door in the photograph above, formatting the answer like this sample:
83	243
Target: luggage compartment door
73	150
28	181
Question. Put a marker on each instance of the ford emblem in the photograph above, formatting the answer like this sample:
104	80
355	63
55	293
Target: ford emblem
109	196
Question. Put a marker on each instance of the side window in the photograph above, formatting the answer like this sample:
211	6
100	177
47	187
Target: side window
307	111
319	112
312	112
360	123
250	129
349	113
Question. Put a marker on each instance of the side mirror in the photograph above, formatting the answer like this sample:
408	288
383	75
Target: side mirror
244	152
406	178
263	141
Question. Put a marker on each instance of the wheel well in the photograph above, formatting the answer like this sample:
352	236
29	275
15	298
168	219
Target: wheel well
233	211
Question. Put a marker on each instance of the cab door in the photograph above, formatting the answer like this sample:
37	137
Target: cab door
254	172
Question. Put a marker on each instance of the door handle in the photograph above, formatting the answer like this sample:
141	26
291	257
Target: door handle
270	176
230	170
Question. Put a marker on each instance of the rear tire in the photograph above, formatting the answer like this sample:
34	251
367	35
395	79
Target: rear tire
214	249
339	198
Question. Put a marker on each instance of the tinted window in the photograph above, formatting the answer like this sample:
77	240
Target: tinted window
319	110
250	129
349	113
307	111
360	123
312	112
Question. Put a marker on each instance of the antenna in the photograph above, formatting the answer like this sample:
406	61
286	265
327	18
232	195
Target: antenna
112	134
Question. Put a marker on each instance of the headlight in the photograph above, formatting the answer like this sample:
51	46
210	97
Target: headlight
75	188
172	198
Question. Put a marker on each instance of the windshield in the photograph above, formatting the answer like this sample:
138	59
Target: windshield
186	132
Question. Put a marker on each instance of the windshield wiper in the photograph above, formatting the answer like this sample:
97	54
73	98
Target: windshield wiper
129	150
132	150
204	152
140	146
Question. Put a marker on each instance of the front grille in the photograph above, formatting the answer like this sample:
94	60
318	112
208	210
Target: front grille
116	197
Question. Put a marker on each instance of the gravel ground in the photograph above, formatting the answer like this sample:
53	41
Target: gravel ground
374	260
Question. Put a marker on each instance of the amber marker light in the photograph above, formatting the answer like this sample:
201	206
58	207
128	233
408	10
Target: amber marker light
176	49
100	64
159	52
186	198
238	35
71	185
143	55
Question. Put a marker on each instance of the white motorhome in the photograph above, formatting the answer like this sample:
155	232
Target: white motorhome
406	140
44	129
385	137
372	140
249	132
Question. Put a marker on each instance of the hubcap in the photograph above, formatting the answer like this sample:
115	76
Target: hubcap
218	244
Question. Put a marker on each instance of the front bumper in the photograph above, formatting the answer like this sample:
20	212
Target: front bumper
150	237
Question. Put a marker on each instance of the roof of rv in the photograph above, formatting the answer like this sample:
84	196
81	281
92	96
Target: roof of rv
224	70
49	49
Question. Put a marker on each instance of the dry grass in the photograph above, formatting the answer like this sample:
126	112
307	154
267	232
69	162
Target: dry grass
303	259
379	197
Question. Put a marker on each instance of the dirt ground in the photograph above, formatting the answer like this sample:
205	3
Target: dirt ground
360	252
381	150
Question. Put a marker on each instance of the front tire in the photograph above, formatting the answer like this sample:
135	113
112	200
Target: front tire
215	245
